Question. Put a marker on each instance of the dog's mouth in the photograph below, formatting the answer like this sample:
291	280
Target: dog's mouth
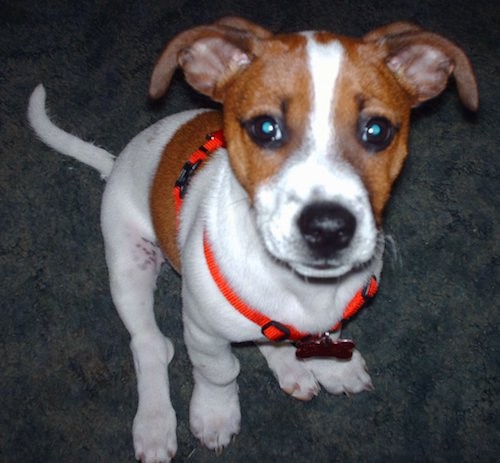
324	270
299	262
340	266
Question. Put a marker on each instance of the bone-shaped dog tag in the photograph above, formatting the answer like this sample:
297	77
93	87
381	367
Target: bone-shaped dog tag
324	346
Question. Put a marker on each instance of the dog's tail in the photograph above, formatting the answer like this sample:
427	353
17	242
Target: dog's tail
65	142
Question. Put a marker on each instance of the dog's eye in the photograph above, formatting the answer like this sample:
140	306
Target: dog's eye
265	131
376	133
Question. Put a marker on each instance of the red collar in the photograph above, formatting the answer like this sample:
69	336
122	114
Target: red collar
307	345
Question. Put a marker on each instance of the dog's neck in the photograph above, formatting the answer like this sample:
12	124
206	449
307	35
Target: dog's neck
272	329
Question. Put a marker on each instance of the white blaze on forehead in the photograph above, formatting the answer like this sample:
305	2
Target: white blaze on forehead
325	60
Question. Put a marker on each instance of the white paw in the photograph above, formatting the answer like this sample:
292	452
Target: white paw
215	414
292	374
295	379
340	376
154	434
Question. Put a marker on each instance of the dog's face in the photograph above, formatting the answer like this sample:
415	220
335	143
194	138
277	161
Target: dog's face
316	128
316	139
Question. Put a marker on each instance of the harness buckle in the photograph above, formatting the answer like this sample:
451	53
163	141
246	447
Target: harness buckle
275	331
184	178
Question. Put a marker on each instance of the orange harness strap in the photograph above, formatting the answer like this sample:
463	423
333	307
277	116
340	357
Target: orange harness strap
214	142
271	329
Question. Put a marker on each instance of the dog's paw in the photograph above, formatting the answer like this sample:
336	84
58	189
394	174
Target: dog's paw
342	377
154	434
295	379
215	414
292	374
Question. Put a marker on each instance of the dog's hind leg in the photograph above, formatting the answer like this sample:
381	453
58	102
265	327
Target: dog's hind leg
134	261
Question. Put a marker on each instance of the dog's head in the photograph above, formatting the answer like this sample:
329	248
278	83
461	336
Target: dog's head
316	125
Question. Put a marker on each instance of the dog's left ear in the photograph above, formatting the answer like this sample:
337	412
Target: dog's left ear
209	56
423	61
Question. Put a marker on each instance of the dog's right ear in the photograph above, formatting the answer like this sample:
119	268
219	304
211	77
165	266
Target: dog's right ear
209	56
422	61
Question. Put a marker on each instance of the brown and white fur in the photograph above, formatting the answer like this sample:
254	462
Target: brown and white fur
298	117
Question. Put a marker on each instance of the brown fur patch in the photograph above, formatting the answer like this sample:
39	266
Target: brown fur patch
277	83
185	141
366	88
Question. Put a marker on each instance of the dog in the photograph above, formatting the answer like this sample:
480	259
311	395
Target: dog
272	208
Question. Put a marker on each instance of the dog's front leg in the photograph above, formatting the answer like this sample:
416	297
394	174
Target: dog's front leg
215	408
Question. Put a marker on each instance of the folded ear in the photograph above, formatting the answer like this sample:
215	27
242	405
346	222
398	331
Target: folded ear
423	61
209	56
384	32
244	25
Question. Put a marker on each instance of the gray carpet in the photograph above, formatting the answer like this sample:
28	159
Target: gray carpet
67	384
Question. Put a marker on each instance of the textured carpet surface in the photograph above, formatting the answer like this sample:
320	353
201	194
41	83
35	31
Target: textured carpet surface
67	385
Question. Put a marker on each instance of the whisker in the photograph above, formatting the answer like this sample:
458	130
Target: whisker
392	251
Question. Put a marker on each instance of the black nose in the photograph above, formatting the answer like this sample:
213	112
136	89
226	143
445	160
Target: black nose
326	227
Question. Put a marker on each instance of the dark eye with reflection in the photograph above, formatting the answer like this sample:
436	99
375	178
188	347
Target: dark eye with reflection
265	131
376	133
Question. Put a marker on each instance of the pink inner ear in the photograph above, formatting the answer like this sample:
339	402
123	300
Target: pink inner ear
240	58
394	63
210	62
423	68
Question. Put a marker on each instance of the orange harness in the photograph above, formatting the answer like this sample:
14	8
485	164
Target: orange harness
307	345
214	142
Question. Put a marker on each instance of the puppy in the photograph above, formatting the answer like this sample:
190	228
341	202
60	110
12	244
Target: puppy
272	208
